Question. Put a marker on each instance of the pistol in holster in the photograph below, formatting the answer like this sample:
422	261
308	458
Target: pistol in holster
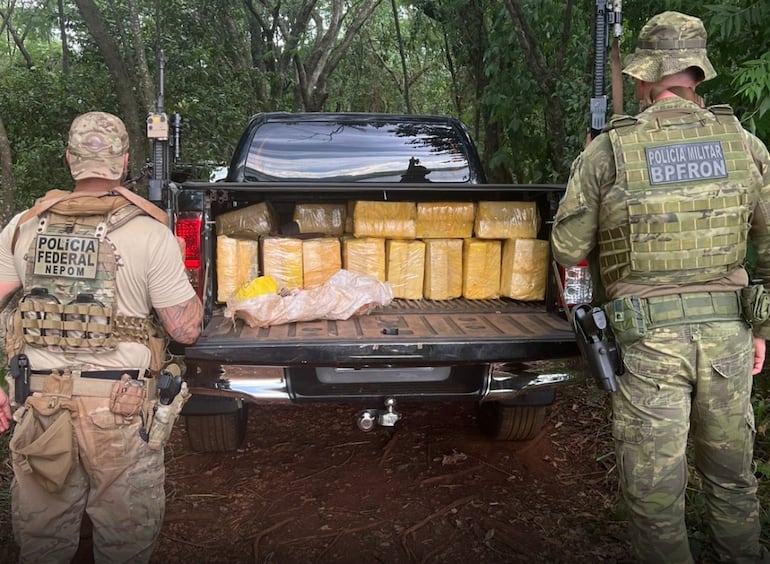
20	370
597	345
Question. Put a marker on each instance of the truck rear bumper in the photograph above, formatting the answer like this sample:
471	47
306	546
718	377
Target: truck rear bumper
497	382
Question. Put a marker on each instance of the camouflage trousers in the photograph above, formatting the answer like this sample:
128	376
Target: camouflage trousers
117	480
688	379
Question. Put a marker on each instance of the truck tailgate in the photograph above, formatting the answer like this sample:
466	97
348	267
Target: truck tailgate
406	332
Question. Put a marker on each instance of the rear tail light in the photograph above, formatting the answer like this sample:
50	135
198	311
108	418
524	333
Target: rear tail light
578	288
188	227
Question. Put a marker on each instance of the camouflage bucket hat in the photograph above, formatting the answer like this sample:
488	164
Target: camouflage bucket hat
669	43
97	144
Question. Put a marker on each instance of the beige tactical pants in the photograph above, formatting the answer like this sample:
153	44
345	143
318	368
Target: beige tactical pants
117	480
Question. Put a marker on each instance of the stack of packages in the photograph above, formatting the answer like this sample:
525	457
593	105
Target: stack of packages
424	250
238	233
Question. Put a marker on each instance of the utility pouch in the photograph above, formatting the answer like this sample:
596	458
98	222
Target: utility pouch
164	418
626	318
45	447
127	396
755	304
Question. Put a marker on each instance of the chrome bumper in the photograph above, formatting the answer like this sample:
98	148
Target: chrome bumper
268	385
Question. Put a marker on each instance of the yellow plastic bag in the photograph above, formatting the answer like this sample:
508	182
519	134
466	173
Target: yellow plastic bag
257	287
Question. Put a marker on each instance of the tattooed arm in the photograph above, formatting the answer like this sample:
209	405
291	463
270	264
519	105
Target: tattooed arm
182	322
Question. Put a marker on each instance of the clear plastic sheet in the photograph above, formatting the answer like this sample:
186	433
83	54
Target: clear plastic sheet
342	296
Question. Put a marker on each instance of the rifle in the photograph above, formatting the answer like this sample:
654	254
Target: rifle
608	14
161	191
597	346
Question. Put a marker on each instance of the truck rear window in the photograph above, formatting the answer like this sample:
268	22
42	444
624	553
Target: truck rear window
357	152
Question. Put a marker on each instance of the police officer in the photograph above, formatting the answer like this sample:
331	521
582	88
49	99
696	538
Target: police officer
663	204
93	265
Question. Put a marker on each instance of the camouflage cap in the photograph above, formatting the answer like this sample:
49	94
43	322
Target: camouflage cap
97	144
669	43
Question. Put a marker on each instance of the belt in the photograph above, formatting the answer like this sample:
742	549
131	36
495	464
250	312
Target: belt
696	306
102	374
96	383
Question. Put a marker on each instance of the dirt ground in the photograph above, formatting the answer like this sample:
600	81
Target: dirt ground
308	486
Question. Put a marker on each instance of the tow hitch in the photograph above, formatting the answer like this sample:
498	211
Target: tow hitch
368	418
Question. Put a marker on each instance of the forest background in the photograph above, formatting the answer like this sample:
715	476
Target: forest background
517	72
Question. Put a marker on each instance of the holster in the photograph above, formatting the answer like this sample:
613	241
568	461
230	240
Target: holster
164	417
755	304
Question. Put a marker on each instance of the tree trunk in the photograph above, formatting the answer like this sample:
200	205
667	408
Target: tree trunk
546	77
133	115
6	166
405	90
65	50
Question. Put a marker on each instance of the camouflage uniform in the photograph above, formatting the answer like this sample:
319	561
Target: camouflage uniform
689	372
89	457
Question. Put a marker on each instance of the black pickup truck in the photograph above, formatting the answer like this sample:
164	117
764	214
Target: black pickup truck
504	354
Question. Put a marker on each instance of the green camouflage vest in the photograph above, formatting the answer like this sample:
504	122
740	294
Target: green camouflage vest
683	197
70	299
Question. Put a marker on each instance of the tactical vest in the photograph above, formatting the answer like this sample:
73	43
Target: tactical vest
688	188
70	299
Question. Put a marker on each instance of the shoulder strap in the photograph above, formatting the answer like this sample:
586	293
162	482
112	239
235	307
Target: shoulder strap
149	208
721	110
621	121
57	197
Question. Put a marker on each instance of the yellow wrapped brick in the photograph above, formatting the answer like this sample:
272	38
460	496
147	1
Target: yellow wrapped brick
227	267
443	269
364	256
405	263
251	221
445	220
282	259
524	270
481	269
321	259
507	220
247	259
328	219
388	220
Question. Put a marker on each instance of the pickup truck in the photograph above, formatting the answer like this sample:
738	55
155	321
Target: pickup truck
506	355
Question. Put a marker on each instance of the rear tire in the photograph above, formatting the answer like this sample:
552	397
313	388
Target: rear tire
511	422
217	433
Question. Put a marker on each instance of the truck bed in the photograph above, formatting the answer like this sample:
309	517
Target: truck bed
406	332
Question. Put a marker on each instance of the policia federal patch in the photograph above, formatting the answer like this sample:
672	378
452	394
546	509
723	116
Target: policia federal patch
686	162
70	256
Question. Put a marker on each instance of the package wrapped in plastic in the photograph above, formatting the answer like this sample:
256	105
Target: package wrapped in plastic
247	258
259	286
481	269
321	258
443	269
364	256
524	270
389	220
327	219
282	259
445	220
237	263
249	222
507	220
405	265
227	266
342	296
